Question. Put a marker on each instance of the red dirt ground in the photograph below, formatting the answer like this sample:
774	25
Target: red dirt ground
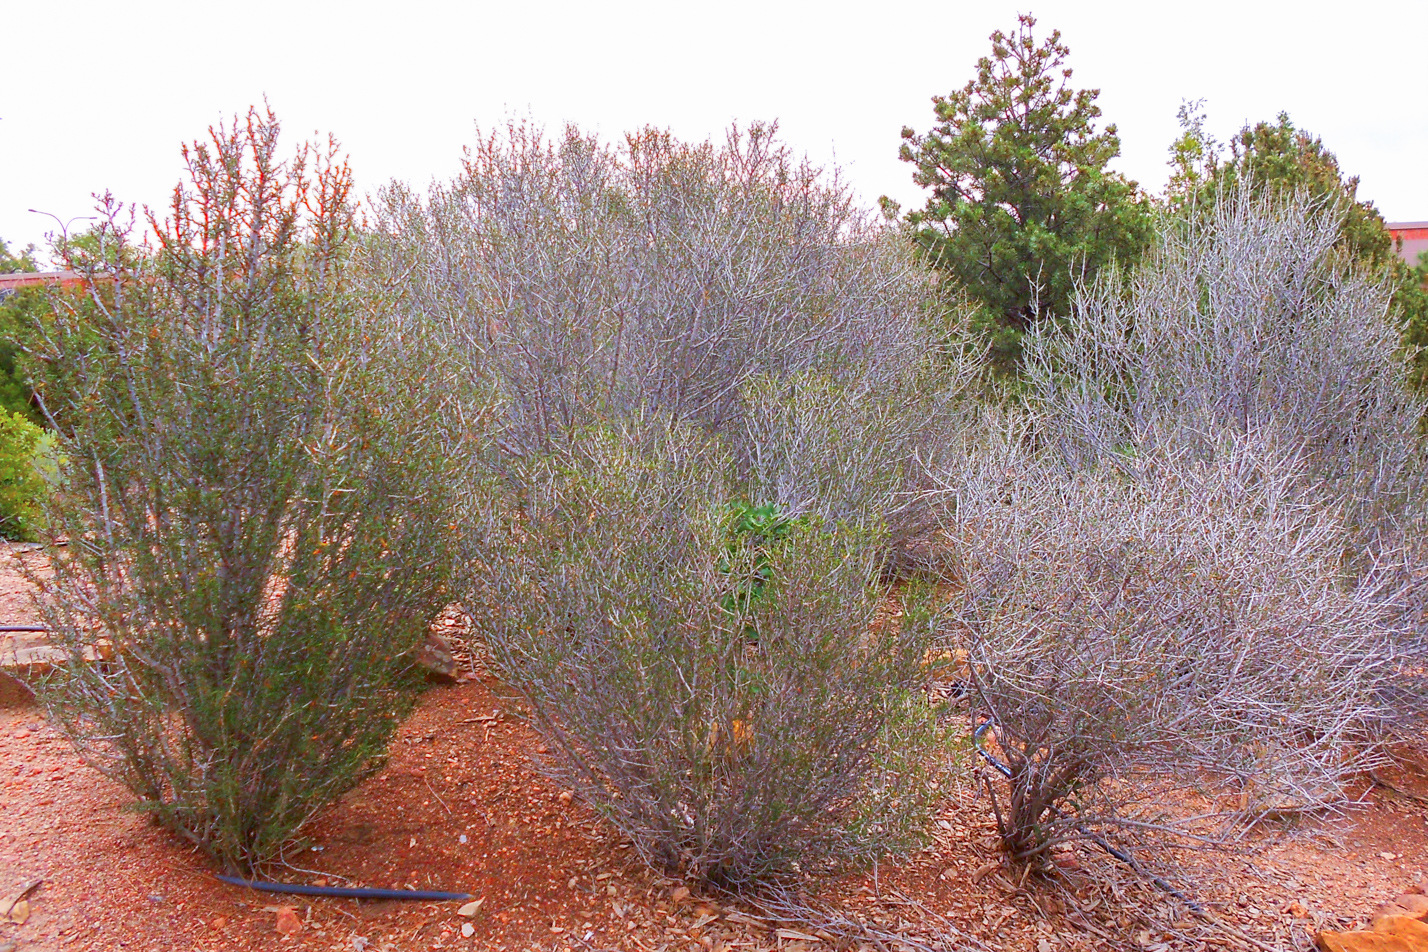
552	877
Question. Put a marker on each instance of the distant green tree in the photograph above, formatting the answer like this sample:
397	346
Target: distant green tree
1023	205
1275	156
23	487
1410	306
1279	157
14	308
10	262
1194	157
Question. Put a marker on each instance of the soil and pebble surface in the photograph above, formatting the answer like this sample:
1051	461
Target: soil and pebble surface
462	806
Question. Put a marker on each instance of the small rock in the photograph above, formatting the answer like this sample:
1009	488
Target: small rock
1390	934
1414	906
1296	909
566	796
288	922
1413	931
471	908
20	912
680	894
218	922
437	656
467	930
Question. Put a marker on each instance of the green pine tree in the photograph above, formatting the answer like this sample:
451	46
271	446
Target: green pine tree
1022	203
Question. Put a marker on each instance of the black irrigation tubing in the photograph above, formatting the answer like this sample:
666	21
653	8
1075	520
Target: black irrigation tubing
347	892
337	892
1096	838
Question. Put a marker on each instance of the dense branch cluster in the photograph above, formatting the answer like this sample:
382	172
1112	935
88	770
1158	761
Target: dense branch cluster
712	463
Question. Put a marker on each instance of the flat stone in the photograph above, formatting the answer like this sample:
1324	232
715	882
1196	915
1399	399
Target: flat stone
1389	934
1412	905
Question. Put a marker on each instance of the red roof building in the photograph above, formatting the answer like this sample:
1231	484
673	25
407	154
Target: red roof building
10	283
1410	237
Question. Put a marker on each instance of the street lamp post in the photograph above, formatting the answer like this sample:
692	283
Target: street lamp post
64	225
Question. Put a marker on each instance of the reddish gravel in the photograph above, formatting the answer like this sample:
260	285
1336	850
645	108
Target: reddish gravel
552	877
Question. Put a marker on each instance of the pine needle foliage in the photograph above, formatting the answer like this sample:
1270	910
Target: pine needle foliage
1022	203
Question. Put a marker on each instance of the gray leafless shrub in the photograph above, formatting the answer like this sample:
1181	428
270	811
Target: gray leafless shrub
257	536
853	451
1243	321
583	283
735	734
1177	633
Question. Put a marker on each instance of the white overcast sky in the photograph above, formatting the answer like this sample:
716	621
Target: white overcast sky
99	95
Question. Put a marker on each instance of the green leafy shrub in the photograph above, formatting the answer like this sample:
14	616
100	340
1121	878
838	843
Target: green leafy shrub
23	487
1410	300
258	537
19	311
754	534
712	682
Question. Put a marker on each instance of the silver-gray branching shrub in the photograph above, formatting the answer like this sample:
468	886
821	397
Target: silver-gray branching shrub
730	288
257	539
1185	637
1247	321
1175	577
1243	321
714	680
651	335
